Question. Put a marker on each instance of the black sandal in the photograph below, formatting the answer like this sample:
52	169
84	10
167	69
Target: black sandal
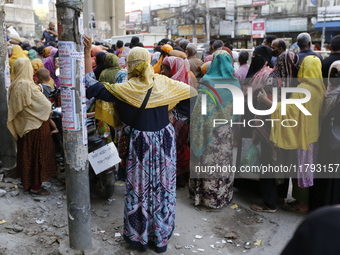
261	208
41	192
293	207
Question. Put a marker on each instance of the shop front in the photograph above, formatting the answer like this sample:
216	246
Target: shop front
288	28
328	18
187	31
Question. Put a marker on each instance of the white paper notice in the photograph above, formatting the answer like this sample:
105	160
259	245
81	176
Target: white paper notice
81	24
67	63
104	158
85	137
68	105
7	74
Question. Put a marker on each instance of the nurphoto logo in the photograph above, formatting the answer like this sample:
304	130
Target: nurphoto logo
238	105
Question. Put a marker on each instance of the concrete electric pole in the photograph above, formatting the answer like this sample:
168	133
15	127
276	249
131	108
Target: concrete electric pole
72	74
323	36
7	145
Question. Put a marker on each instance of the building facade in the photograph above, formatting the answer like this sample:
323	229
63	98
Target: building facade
328	18
109	17
20	15
104	19
242	22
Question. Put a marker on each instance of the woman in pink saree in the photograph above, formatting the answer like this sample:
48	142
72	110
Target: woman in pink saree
179	69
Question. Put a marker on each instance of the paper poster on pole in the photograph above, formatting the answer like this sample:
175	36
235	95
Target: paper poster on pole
82	83
81	24
7	74
67	63
104	158
85	136
70	121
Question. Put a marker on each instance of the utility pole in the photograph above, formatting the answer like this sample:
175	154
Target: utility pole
7	145
207	20
113	18
323	36
194	13
71	57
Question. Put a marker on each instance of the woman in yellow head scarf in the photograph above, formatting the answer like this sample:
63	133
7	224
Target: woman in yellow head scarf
304	136
151	160
17	52
28	115
165	50
38	64
46	52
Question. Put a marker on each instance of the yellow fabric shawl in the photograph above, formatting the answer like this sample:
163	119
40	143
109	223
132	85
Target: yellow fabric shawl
17	52
308	129
107	112
28	108
141	76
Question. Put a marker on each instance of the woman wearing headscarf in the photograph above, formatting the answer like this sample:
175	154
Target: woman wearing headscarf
17	52
156	55
40	52
100	63
190	75
28	115
178	69
95	50
46	51
326	190
150	197
25	46
32	54
38	64
166	48
104	110
111	69
122	53
258	69
206	65
271	189
255	79
50	64
212	145
304	136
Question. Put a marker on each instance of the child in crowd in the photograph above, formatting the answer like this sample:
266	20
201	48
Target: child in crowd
43	76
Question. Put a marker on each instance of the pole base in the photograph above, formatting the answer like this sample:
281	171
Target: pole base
65	249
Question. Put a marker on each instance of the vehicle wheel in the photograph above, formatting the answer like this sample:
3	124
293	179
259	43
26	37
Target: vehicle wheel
106	184
109	190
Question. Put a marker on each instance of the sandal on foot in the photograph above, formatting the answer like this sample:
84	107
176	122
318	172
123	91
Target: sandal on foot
41	192
206	209
261	208
292	207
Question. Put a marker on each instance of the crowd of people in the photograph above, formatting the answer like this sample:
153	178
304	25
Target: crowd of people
155	100
33	75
